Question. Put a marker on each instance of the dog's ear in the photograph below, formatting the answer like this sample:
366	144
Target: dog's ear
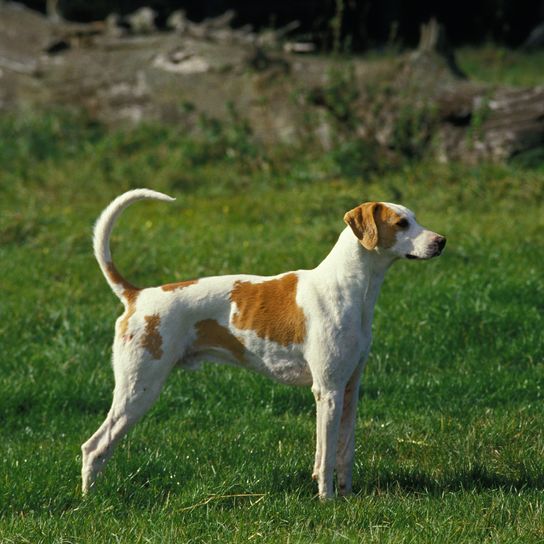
362	222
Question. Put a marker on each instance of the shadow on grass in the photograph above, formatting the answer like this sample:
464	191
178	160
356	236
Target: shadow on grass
143	491
477	478
299	483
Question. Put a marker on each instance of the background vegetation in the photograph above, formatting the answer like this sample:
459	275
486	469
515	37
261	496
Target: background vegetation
450	441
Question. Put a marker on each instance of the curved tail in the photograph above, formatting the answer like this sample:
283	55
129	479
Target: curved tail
101	238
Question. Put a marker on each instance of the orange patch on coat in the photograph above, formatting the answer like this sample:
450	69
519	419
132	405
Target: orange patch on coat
178	285
115	277
386	220
210	334
152	339
374	223
130	310
270	309
130	294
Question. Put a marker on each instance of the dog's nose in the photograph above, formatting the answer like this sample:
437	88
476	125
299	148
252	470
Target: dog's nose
440	242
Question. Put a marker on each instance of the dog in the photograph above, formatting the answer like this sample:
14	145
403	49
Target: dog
307	327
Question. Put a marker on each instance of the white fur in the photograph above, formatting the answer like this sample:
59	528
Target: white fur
104	226
337	298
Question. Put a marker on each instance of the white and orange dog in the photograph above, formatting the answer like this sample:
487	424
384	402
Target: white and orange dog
309	327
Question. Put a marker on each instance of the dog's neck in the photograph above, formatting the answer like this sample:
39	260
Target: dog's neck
354	272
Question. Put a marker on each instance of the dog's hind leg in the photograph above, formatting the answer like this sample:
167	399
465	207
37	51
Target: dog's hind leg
138	382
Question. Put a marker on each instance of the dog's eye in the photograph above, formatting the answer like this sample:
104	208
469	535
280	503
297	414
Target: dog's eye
403	223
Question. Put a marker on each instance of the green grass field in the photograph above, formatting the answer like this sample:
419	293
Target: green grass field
450	437
498	65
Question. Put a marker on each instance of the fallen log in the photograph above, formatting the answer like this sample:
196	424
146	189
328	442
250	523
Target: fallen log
420	104
460	119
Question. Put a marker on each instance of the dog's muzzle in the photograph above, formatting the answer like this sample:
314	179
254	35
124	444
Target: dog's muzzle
435	249
440	245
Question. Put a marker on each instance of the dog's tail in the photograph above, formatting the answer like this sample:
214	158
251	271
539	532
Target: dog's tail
101	238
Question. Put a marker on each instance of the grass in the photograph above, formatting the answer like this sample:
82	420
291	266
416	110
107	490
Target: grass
487	64
502	66
450	440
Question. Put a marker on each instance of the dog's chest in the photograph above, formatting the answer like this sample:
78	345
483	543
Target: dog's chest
285	364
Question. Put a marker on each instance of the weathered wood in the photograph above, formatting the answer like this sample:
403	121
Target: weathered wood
465	120
418	104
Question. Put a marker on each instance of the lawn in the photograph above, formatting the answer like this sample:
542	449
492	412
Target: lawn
498	65
450	431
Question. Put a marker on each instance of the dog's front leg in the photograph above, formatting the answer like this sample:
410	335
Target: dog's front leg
317	461
346	439
329	411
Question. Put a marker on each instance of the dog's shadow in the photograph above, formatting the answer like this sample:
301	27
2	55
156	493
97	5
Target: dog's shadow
476	478
405	482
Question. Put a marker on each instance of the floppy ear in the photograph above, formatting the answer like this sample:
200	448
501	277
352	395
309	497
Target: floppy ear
362	223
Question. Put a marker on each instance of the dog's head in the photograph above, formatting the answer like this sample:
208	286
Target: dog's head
393	229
